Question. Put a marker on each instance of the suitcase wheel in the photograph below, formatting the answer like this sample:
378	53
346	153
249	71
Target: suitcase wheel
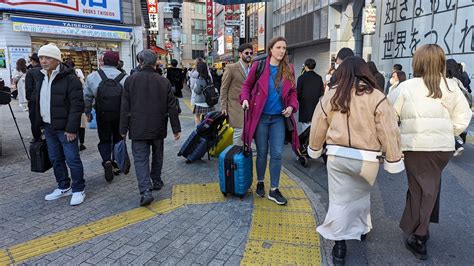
303	161
225	194
179	153
188	162
241	197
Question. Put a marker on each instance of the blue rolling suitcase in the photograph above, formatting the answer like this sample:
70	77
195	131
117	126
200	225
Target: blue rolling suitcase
235	170
194	148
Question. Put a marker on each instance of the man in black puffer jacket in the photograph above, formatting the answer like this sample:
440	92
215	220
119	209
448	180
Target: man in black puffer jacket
30	86
59	105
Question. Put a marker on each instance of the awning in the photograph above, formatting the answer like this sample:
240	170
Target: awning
236	2
158	50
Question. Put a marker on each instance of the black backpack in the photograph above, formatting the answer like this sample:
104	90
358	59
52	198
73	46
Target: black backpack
109	93
211	94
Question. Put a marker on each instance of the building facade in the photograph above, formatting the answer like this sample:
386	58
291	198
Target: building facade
183	38
83	30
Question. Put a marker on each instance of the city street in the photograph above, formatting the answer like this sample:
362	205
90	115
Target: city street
205	228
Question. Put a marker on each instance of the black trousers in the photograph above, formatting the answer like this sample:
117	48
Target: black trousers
108	128
35	131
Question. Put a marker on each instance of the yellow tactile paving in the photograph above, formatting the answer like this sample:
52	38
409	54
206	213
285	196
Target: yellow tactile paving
163	206
4	258
266	253
470	139
197	193
188	104
262	218
294	205
283	235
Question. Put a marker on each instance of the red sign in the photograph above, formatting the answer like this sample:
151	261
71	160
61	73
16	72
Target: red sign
152	6
209	18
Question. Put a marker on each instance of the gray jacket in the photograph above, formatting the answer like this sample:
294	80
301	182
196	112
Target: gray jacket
198	88
92	84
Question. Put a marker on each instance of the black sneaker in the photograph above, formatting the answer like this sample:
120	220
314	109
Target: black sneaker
108	169
277	197
158	185
146	198
82	147
260	189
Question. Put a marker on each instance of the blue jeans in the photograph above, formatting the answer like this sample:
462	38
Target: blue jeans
61	152
270	130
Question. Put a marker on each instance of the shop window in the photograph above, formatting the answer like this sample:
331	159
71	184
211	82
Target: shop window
197	54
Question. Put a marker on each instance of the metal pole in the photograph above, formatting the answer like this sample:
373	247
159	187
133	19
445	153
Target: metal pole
18	128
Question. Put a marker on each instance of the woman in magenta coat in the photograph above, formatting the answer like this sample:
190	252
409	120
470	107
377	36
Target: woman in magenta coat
270	101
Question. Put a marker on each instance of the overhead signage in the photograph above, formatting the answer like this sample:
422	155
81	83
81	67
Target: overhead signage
242	21
48	26
153	15
94	9
369	18
209	18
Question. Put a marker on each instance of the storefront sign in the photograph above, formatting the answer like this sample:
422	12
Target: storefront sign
17	53
242	21
261	29
3	59
95	9
70	28
209	18
369	18
220	45
153	14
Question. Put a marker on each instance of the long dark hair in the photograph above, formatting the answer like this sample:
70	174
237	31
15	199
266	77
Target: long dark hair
21	65
202	70
353	73
284	69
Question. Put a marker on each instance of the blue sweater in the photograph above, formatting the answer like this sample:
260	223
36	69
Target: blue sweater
273	106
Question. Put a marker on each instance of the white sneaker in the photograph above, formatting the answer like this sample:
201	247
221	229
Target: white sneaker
458	152
77	198
58	193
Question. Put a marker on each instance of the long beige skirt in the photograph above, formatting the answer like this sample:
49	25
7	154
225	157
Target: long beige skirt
350	182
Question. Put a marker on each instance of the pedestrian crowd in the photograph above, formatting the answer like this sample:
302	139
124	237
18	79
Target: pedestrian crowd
352	117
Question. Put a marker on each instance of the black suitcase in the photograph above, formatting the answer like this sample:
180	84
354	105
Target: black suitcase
40	162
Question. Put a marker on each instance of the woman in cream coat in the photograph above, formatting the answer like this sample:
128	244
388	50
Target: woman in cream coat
432	110
357	123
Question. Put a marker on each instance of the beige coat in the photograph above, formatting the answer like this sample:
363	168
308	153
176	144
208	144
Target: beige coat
232	82
371	128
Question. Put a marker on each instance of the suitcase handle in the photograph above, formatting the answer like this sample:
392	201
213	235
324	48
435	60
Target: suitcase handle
246	149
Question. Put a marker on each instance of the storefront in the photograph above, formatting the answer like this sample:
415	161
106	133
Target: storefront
84	41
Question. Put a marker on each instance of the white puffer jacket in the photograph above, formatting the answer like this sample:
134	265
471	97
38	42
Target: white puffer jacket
429	124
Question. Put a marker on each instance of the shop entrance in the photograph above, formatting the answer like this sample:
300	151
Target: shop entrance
87	55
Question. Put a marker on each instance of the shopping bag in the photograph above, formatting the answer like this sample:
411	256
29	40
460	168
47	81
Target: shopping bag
121	156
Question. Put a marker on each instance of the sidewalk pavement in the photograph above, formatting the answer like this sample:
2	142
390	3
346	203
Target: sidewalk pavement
190	222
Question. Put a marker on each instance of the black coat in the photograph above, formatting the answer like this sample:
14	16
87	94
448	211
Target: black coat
147	102
30	82
176	77
309	88
67	100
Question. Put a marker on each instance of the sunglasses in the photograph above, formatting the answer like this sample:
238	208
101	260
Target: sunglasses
248	53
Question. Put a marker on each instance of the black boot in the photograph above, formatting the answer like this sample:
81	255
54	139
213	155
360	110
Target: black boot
339	252
416	245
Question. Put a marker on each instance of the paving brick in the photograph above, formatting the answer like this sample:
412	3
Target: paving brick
216	262
127	259
212	236
225	253
198	237
118	243
120	252
233	261
143	258
218	244
189	259
179	241
63	259
81	258
160	245
138	239
170	261
206	256
201	247
141	248
99	256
